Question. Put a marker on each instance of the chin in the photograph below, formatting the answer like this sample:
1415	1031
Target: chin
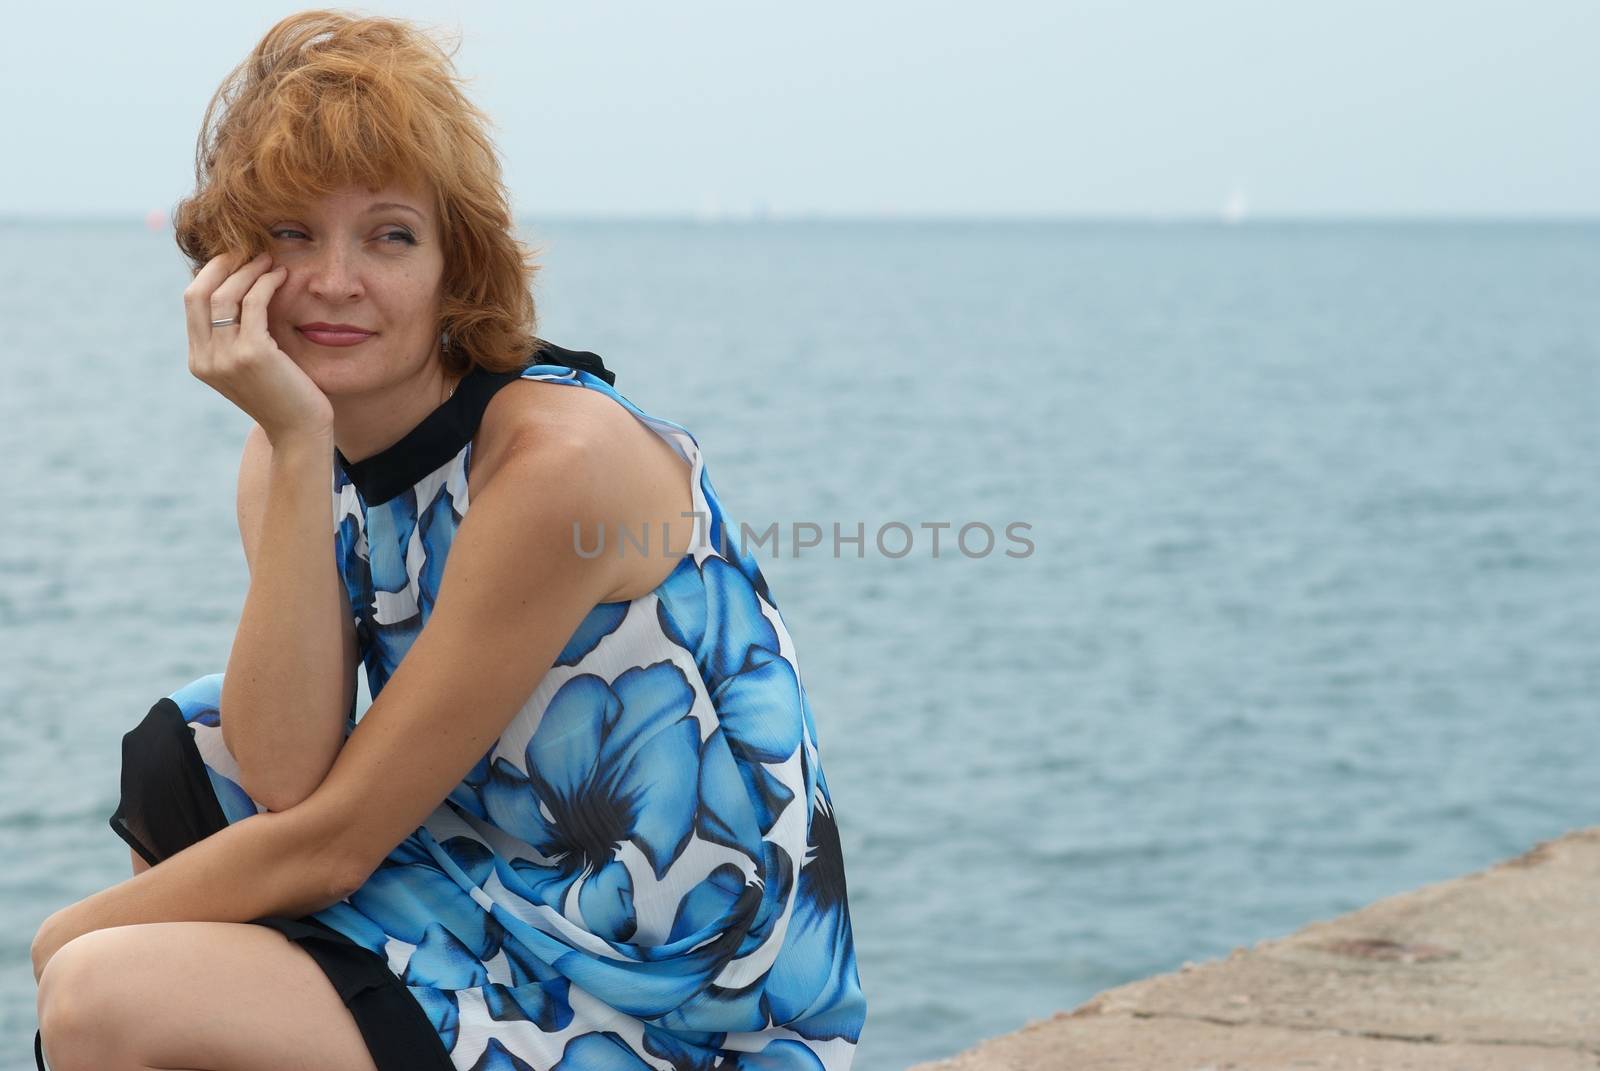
337	377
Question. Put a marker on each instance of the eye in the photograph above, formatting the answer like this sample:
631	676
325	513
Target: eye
403	236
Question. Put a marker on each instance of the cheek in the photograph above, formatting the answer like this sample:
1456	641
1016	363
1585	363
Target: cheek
419	293
278	301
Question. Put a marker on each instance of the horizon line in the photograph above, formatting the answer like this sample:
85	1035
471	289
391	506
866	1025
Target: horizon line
779	217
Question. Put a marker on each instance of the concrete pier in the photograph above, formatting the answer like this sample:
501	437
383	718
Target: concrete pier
1495	970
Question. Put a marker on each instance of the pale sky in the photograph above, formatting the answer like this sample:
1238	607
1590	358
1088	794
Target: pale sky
891	107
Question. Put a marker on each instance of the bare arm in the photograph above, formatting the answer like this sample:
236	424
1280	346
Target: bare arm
290	681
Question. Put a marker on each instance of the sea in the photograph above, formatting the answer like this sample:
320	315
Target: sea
1159	586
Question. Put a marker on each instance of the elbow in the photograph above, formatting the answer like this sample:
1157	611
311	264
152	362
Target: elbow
320	884
327	868
348	876
276	796
276	789
333	880
345	869
336	855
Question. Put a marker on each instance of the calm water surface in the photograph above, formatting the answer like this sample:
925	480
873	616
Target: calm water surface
1310	617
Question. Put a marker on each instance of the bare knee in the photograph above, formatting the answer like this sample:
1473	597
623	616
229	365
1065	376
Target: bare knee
74	1025
269	1005
139	865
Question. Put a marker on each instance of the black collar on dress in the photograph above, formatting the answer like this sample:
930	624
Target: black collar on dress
452	424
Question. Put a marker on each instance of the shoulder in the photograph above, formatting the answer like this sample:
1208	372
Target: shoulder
602	462
530	415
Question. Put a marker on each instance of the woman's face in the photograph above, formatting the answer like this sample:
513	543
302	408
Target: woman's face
369	259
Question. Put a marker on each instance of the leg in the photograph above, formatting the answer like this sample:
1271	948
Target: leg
180	783
217	995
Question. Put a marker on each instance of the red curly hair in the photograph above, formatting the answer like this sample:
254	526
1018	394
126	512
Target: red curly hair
327	100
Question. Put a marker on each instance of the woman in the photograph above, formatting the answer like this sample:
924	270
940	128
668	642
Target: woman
583	822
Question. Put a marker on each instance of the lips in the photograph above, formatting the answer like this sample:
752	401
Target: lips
334	334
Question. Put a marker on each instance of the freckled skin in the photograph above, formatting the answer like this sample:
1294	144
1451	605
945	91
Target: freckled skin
380	270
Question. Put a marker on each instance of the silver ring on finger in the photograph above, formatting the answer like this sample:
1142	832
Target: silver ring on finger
229	322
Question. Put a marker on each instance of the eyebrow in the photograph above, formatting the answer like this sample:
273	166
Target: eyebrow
384	205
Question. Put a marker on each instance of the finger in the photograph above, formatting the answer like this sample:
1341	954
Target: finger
226	298
197	295
197	307
253	310
225	303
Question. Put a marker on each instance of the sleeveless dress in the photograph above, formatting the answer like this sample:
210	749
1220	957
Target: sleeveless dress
642	872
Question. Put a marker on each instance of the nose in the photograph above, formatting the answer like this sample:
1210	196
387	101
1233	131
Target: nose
333	274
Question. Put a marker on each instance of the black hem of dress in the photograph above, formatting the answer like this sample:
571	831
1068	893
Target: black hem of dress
442	433
398	1033
168	804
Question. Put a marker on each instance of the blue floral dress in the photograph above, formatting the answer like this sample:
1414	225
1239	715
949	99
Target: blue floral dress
644	870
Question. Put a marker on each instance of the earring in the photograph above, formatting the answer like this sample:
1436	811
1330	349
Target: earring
444	339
